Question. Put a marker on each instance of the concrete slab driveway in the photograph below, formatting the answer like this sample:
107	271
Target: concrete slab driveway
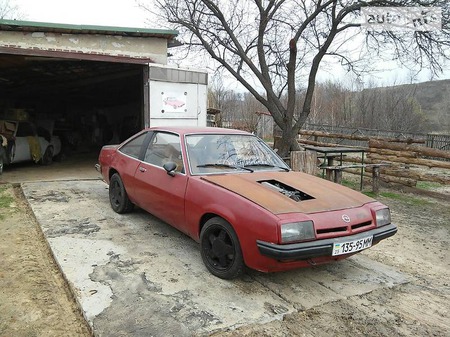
134	275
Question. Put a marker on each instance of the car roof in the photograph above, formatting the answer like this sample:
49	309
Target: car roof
185	130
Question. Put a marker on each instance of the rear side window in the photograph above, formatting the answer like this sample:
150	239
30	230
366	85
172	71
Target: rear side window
134	146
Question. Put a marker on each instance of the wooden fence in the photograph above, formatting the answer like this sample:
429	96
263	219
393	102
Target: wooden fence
435	141
409	161
441	142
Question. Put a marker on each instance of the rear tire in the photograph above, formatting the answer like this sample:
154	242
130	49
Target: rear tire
118	197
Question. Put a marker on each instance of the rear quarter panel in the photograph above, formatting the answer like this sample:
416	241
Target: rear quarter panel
105	159
126	167
111	161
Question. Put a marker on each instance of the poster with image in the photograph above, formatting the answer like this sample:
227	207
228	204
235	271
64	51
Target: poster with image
174	102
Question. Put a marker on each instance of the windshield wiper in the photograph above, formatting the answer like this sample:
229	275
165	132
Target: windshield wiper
267	165
226	165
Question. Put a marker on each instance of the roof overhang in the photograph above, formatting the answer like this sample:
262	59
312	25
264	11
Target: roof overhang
30	26
84	42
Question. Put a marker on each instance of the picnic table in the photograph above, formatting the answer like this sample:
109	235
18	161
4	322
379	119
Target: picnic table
330	154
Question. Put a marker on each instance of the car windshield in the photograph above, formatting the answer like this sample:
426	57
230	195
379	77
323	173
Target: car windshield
225	153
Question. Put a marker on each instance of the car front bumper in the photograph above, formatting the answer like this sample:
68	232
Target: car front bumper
319	248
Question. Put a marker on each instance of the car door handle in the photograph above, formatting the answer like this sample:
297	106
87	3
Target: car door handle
142	169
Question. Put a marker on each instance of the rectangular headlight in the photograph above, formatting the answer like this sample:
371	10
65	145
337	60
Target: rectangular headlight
383	217
297	231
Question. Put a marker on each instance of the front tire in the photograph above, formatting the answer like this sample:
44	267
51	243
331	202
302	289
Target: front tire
220	249
47	158
118	196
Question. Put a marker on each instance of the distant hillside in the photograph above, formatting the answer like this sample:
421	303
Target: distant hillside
434	99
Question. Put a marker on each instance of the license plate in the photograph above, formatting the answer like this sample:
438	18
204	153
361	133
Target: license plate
348	247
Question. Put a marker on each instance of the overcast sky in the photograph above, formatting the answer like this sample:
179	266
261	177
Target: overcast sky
126	13
123	13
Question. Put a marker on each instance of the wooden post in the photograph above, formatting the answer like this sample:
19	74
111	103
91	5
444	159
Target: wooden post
375	180
338	176
330	162
304	161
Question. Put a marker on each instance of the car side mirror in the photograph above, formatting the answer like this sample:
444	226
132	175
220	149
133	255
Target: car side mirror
170	168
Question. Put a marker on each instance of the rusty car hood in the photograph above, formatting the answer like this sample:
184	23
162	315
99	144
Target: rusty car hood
326	196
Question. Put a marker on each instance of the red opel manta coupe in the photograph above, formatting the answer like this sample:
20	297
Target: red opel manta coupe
229	191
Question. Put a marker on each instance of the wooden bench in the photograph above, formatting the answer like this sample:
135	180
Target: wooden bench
335	173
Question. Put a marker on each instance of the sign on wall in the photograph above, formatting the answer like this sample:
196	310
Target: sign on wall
174	101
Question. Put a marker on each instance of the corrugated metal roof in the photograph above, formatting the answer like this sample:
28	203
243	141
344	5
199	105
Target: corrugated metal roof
29	26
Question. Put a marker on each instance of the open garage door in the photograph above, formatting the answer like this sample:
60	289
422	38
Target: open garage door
88	84
92	103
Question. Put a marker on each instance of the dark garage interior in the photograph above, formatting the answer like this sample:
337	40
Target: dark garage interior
67	90
92	103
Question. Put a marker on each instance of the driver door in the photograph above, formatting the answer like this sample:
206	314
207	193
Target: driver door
156	191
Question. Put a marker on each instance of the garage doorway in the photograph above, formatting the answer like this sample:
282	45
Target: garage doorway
91	103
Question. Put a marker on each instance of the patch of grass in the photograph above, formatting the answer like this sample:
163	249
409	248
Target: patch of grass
371	194
392	195
427	185
5	201
408	199
351	184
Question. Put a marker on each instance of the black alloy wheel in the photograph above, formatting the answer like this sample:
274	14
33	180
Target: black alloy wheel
118	196
220	249
11	153
47	158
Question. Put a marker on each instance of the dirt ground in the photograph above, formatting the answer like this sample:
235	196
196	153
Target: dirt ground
420	307
34	297
35	300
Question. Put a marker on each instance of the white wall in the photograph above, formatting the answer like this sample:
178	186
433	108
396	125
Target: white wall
177	104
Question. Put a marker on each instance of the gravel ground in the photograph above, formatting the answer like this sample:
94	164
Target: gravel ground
35	300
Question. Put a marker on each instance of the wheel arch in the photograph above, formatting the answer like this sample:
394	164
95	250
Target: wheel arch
209	215
111	172
204	219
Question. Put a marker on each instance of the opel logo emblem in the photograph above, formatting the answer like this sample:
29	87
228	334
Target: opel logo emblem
346	218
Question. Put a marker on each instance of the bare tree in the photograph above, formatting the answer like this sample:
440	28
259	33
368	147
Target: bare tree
281	43
238	110
391	108
328	105
250	113
10	11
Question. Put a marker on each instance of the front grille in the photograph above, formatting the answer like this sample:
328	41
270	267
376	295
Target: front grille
343	229
362	224
331	230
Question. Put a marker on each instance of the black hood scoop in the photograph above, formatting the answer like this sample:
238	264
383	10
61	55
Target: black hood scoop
288	191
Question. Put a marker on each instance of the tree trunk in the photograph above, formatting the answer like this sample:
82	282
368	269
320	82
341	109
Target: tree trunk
304	161
285	141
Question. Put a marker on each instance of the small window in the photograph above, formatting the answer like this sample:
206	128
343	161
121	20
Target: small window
164	148
133	147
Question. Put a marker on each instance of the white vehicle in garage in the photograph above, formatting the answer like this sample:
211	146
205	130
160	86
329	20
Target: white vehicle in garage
24	141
